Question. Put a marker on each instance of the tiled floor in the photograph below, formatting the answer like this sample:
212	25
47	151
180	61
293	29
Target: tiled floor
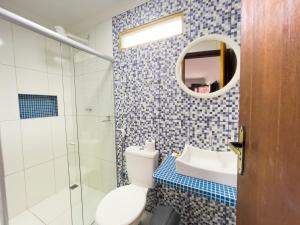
56	209
25	218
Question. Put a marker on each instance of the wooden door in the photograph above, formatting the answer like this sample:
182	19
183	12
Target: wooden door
269	190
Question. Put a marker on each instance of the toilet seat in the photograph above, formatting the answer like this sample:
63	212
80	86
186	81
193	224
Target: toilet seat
122	206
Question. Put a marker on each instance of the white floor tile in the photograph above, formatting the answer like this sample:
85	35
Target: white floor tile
26	218
56	210
51	208
40	183
91	199
64	219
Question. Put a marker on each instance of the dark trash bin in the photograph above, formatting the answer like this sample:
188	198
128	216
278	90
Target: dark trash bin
164	215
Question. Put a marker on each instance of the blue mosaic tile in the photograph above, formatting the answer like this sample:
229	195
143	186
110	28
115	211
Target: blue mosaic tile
209	135
140	129
199	134
219	135
214	109
233	132
173	135
166	176
37	106
210	17
235	30
234	104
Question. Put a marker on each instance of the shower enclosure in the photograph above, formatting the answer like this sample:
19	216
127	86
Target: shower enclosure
57	168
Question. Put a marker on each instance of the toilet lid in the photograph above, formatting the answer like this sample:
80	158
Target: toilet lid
121	206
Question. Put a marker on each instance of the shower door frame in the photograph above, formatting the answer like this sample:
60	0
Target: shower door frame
3	200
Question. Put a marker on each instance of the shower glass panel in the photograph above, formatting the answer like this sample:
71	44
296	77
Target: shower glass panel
35	148
55	169
94	124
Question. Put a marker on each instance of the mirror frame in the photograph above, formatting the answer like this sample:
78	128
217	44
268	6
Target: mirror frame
233	81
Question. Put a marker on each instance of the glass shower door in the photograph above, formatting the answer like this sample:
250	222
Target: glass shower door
70	109
94	157
48	158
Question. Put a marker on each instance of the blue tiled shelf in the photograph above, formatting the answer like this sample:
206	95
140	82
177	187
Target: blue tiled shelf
37	106
166	175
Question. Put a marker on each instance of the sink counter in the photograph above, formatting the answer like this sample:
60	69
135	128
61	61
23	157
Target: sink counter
166	176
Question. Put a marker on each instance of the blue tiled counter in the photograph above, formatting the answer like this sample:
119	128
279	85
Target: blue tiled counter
166	176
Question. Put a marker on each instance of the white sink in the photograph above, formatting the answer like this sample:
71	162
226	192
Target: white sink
219	167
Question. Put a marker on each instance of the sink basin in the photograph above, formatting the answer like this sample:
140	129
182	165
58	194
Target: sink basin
219	167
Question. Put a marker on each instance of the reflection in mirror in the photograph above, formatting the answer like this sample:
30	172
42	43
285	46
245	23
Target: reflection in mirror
208	66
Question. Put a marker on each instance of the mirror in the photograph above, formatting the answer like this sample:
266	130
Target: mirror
209	66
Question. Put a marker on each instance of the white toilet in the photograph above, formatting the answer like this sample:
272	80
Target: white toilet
125	205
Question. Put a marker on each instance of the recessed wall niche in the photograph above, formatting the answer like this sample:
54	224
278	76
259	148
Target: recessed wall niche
37	106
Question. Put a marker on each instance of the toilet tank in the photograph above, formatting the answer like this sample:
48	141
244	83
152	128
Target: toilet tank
141	165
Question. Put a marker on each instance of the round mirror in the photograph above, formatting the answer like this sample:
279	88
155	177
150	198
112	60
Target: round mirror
209	66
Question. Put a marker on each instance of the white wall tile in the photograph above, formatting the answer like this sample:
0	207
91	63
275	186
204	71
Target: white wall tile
36	137
86	64
106	95
104	37
106	150
15	193
61	173
29	49
87	94
109	179
58	136
40	182
8	94
67	60
53	56
71	128
69	95
90	171
88	131
11	146
74	169
32	82
56	89
6	43
55	84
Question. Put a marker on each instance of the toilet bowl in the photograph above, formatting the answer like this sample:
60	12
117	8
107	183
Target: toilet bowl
125	205
122	206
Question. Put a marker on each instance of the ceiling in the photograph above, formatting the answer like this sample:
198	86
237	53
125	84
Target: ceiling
74	15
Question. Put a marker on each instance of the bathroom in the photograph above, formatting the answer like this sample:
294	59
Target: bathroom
150	112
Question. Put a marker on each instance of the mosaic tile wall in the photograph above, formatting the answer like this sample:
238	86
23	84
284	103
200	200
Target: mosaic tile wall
37	106
196	210
148	101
